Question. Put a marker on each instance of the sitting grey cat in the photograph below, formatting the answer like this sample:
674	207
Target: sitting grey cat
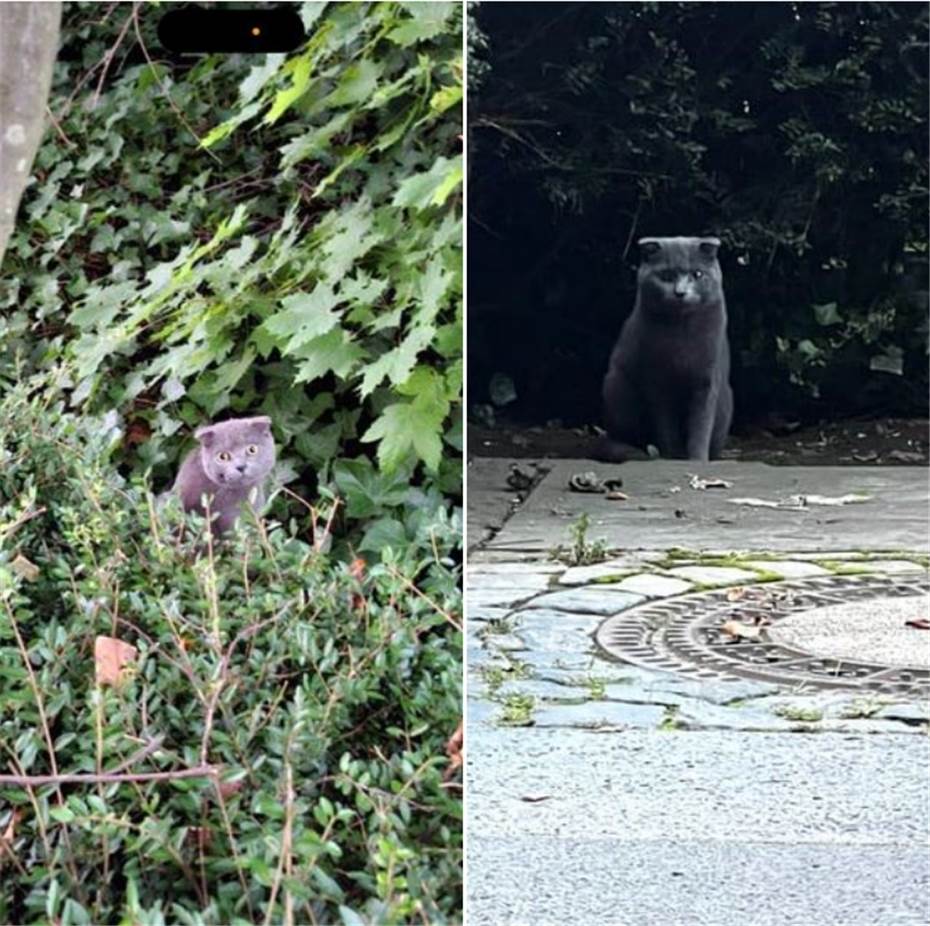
233	459
667	381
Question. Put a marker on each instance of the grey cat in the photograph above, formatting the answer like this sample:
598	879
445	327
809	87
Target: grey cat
667	381
233	459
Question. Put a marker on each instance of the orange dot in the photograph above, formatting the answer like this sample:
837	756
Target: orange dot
256	31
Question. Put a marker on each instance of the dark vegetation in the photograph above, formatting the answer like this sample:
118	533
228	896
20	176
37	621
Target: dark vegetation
797	133
202	240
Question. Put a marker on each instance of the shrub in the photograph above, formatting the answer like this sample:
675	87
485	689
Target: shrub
319	698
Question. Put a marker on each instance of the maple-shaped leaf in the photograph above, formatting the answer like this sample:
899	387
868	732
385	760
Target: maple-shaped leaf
426	22
415	426
305	316
430	188
333	351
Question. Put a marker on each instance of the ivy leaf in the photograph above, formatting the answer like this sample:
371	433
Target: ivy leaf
406	427
305	316
426	22
333	351
430	188
397	363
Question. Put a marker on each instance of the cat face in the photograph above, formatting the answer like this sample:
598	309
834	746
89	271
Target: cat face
237	453
679	272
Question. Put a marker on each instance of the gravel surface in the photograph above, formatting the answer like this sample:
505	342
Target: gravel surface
863	631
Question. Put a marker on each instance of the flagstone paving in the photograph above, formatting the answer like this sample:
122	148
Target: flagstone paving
600	792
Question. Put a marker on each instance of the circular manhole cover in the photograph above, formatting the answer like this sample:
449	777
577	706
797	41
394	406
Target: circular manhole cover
831	632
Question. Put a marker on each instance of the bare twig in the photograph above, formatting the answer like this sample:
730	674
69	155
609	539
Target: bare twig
425	597
90	778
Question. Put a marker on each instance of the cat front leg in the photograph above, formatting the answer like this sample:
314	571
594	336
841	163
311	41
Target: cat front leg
702	411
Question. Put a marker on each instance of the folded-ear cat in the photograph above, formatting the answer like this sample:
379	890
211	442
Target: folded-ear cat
668	378
229	467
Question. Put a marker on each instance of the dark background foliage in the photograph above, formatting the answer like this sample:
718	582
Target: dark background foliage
797	133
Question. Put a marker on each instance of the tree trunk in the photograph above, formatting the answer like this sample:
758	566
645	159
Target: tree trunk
28	46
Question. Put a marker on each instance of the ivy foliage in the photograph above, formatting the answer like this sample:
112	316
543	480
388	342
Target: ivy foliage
277	235
321	697
796	132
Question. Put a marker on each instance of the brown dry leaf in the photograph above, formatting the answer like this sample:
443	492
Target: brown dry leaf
110	657
9	834
734	594
138	432
200	836
455	751
228	788
739	630
24	568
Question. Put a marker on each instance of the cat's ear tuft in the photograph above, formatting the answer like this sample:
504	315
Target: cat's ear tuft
206	435
708	247
649	247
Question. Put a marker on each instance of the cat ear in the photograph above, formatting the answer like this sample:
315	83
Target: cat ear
205	435
708	247
649	248
260	424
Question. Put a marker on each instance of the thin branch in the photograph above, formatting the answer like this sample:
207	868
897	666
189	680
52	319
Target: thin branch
426	598
89	778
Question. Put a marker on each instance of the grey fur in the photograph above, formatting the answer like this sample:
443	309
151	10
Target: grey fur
233	459
668	379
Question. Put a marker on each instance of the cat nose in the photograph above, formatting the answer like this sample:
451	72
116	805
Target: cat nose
241	467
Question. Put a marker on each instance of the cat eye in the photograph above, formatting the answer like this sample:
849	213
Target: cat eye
252	450
224	456
698	274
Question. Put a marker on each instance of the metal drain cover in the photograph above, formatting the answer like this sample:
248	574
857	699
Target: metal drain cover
684	634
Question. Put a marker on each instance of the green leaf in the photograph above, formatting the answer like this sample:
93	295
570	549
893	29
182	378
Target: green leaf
430	188
366	490
826	314
383	534
333	352
305	316
350	918
426	22
412	427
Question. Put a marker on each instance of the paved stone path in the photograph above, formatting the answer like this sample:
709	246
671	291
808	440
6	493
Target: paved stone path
603	793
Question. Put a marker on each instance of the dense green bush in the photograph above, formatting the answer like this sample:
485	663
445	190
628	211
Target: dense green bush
278	235
322	698
797	132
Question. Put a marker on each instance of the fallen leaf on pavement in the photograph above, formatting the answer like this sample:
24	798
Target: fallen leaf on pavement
739	630
801	502
906	456
918	623
699	482
110	658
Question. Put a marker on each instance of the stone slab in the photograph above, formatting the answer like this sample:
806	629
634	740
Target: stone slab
895	518
587	601
788	569
652	586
